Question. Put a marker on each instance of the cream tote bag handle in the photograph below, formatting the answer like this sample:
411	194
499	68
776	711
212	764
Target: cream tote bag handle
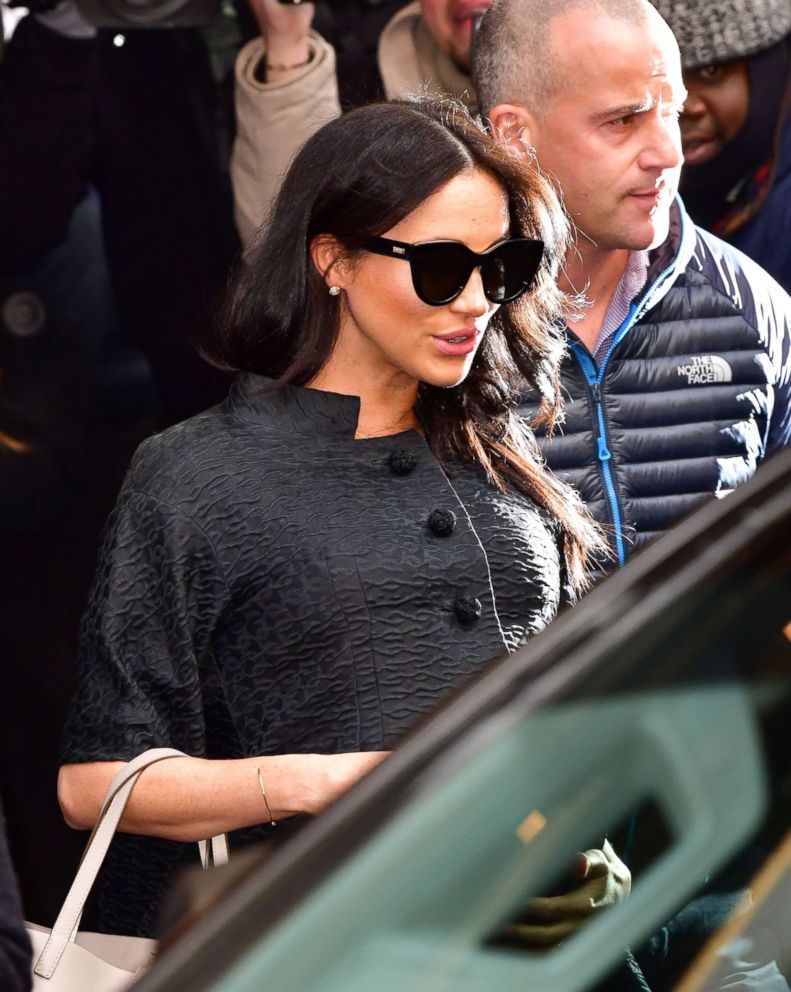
214	851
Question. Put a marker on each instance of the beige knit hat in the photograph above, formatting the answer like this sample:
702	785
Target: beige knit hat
710	31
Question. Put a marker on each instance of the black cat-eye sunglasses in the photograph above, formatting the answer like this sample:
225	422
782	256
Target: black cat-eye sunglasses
441	269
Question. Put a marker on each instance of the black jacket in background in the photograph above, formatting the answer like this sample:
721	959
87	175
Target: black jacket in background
143	123
353	28
15	963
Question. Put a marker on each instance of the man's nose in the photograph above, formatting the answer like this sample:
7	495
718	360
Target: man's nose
664	149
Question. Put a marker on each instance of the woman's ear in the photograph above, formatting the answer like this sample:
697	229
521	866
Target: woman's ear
328	257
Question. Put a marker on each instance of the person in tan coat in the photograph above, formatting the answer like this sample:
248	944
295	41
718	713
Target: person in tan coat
287	84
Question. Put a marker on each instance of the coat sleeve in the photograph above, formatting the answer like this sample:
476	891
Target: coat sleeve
273	121
146	638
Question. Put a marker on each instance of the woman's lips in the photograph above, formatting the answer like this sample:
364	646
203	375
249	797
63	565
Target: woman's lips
461	342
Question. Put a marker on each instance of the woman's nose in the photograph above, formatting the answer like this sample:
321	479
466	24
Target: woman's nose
472	299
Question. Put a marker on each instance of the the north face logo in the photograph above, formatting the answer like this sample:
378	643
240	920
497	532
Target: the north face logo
705	369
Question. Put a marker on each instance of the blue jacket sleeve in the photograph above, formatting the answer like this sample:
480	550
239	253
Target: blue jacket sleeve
767	306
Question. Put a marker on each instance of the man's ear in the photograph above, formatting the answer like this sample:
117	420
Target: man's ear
513	125
327	255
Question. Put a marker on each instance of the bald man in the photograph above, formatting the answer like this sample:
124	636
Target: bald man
678	381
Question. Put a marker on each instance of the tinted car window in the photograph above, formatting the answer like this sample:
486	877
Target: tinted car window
656	715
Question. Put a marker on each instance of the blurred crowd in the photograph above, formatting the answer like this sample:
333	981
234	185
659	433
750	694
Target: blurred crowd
137	162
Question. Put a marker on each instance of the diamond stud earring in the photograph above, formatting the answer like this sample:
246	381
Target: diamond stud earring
335	290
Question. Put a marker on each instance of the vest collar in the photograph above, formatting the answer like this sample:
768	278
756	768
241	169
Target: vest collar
670	259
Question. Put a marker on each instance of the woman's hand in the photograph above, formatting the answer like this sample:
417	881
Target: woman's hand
603	881
334	774
285	28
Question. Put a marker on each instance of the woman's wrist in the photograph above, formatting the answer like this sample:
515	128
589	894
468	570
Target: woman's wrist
307	783
292	784
285	59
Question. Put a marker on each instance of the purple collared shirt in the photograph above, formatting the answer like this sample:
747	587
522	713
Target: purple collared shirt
632	282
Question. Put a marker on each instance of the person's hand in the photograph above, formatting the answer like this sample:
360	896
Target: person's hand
285	28
603	881
333	774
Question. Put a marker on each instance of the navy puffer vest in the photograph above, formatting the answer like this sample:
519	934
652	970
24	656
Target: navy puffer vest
690	398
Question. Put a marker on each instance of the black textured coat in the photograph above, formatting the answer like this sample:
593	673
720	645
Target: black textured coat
270	585
692	395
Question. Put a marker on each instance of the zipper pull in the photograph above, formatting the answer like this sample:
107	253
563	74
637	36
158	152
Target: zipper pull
604	454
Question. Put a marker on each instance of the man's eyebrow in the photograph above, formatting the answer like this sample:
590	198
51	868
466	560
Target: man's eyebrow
625	110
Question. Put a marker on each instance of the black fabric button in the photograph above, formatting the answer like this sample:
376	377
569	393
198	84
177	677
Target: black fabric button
468	609
441	522
402	462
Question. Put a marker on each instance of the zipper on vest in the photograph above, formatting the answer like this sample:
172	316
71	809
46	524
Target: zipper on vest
601	440
603	454
594	377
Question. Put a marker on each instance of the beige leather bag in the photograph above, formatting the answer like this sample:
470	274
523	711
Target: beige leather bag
66	960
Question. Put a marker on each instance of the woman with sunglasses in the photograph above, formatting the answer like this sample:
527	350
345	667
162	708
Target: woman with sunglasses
290	580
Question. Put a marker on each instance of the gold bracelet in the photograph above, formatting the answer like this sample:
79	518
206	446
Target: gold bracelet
263	796
285	68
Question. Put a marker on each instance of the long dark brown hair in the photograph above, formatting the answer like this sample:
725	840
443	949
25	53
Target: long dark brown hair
359	176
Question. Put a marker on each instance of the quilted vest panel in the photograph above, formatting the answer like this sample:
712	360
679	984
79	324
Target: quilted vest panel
680	414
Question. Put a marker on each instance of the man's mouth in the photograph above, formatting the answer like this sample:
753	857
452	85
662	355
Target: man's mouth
649	196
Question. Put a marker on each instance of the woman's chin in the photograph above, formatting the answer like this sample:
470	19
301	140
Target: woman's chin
450	375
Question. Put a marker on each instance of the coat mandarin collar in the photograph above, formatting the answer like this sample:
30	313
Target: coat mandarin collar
293	408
